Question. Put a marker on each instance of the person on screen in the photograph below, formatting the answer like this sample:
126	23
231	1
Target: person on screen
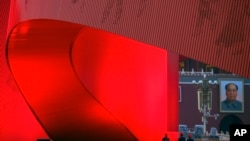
190	138
181	138
231	103
165	138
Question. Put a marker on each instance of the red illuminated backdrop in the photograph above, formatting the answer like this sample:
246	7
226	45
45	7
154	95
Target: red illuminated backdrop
219	38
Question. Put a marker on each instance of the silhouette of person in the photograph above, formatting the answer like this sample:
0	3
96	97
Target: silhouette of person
231	103
165	138
190	138
181	138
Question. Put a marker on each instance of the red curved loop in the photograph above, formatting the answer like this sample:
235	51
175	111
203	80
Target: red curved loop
39	58
86	84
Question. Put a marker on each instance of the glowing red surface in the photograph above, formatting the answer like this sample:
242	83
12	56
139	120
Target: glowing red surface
83	83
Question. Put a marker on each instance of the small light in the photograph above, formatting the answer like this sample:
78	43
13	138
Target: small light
194	82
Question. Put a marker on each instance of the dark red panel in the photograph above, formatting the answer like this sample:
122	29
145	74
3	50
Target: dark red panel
173	91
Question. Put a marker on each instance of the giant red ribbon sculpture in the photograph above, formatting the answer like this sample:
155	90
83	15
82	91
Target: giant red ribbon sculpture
86	84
